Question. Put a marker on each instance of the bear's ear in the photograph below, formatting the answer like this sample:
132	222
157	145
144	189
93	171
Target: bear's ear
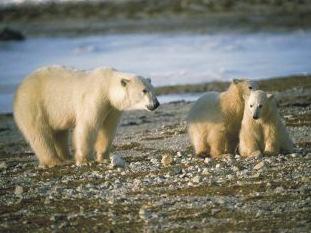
236	81
124	82
270	96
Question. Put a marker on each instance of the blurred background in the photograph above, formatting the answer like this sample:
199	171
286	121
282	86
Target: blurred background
172	41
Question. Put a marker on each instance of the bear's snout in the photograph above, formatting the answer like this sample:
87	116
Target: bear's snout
153	106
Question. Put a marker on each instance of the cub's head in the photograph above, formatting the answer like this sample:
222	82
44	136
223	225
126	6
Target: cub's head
244	86
258	104
132	92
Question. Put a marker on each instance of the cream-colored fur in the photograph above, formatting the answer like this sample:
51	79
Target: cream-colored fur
214	120
52	100
262	129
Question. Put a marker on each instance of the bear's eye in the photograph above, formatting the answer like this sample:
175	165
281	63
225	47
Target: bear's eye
250	87
145	91
251	105
260	106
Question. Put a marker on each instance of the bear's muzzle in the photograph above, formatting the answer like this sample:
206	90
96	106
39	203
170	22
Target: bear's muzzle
154	106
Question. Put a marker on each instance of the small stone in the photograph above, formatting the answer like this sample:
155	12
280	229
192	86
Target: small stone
3	165
19	190
179	154
176	171
117	161
167	160
47	201
259	166
294	155
279	189
218	165
196	179
143	213
58	217
205	171
154	160
207	160
237	156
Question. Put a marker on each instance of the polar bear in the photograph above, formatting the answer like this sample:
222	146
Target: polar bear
214	120
54	99
262	130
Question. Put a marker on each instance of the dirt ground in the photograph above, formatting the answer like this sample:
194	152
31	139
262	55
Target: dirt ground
269	194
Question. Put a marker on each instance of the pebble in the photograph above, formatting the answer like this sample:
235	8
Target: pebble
259	166
279	189
19	190
196	179
205	171
218	166
294	155
117	161
167	160
154	160
176	171
179	154
207	160
3	165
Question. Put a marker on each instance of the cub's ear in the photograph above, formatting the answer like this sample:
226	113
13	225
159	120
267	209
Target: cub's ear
245	97
124	82
148	80
270	96
236	81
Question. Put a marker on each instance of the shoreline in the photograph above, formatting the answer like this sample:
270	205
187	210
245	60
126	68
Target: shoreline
276	84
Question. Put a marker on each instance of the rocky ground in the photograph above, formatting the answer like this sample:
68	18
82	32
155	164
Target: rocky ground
179	193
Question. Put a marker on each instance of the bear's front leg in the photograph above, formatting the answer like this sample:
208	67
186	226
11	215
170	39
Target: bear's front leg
272	146
84	137
106	135
248	146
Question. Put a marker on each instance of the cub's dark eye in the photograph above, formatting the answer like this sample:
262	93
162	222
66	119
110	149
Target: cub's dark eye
260	106
251	105
250	87
145	91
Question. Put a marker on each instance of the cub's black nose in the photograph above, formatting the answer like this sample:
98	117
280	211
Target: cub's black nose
255	117
154	106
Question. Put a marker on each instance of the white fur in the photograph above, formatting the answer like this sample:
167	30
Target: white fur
54	99
262	129
214	120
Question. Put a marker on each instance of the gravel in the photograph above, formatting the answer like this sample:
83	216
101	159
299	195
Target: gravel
189	194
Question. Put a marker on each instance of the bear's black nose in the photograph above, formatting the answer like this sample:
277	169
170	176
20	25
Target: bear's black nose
255	117
154	106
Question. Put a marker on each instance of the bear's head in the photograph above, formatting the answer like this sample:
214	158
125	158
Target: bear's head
259	104
244	86
132	92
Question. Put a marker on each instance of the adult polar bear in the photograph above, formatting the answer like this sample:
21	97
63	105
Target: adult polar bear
52	100
214	120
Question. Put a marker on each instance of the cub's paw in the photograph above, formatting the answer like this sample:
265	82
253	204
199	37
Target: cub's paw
270	153
256	154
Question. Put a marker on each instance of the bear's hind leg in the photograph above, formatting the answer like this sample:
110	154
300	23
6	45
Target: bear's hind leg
42	142
61	144
198	140
217	142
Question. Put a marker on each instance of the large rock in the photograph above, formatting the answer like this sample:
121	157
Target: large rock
7	34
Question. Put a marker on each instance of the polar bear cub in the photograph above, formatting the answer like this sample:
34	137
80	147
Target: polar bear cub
214	120
262	130
52	100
